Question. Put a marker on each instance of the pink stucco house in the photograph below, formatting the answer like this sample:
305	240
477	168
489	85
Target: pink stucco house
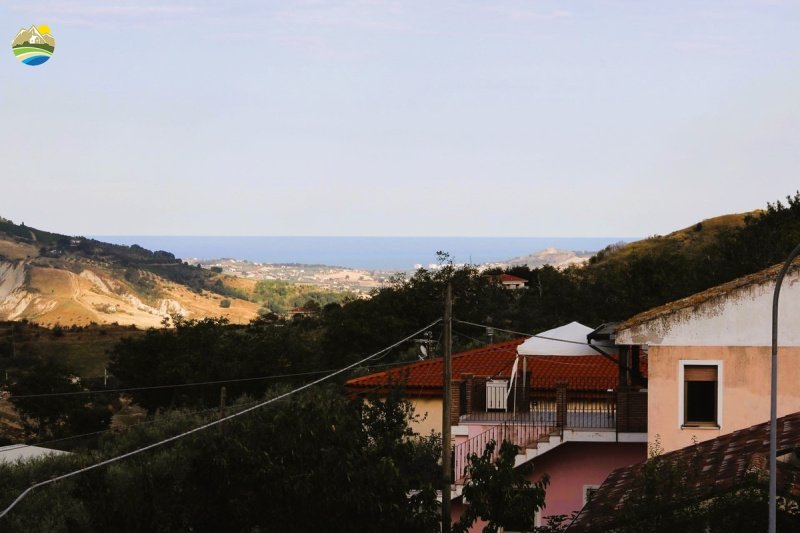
709	358
574	411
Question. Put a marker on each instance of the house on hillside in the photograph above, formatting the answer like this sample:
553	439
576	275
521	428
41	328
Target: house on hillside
302	312
509	281
555	395
719	467
709	358
709	382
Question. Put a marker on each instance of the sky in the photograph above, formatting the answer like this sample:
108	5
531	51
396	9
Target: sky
399	118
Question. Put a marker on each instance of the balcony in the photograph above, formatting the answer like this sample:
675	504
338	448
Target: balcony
536	413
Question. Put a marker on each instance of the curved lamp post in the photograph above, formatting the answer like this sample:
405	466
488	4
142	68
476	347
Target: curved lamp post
773	419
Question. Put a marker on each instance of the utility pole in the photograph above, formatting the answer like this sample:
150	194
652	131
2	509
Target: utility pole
446	438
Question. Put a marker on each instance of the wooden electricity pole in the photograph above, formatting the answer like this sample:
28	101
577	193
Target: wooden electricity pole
446	438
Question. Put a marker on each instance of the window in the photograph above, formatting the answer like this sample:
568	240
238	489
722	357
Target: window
700	394
496	394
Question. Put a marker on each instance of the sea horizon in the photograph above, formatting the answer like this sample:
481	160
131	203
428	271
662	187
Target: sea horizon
370	253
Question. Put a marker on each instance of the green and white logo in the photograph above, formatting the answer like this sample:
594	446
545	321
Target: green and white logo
34	46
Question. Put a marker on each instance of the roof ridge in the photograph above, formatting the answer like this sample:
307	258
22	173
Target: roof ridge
755	278
435	361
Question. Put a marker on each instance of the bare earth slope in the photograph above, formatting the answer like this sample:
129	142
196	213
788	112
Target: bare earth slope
50	295
52	279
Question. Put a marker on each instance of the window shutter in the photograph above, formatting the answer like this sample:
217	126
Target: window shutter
700	373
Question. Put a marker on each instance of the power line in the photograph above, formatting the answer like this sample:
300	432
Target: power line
207	425
194	384
283	376
173	386
124	428
521	333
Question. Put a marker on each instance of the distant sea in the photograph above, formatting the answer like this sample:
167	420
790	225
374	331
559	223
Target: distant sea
372	253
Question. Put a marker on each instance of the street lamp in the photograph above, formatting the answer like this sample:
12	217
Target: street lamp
773	419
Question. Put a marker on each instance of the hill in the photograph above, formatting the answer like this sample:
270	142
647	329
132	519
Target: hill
693	240
549	256
53	279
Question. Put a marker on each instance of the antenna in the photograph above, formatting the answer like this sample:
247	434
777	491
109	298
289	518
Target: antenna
425	345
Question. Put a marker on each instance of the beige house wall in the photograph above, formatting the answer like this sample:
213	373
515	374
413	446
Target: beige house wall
745	389
429	412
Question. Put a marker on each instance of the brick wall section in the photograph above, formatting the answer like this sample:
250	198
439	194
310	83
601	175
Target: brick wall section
631	411
455	401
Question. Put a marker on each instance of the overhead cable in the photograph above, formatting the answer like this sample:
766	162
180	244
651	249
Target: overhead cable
208	425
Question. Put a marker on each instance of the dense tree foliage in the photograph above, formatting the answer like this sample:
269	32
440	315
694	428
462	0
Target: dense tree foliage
47	400
316	462
197	351
280	296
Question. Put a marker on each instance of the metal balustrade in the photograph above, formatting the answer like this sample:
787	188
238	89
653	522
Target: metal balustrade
546	408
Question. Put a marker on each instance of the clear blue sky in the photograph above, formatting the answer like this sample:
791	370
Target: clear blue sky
393	117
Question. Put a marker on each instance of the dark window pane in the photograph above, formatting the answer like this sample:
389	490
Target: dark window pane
701	401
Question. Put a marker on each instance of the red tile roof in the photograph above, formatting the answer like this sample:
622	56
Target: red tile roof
512	278
724	463
495	360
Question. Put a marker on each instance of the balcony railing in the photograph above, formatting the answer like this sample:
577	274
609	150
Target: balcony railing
542	408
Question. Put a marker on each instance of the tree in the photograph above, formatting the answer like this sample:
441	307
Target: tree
499	493
62	414
318	462
210	350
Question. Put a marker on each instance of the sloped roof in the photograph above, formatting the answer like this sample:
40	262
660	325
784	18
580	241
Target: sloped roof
427	375
720	291
494	360
510	278
724	463
551	342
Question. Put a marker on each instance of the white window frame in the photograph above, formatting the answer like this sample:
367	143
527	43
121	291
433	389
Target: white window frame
682	364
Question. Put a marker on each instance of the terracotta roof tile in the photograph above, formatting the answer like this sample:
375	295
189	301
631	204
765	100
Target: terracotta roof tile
496	360
720	464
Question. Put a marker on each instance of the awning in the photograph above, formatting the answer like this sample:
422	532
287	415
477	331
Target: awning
573	332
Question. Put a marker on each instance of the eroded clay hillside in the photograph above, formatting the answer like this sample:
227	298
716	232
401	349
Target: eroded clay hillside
52	282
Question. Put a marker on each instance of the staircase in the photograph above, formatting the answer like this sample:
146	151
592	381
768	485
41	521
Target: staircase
533	441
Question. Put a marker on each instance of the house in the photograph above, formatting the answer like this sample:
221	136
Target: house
555	395
709	358
719	466
299	312
422	380
509	281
